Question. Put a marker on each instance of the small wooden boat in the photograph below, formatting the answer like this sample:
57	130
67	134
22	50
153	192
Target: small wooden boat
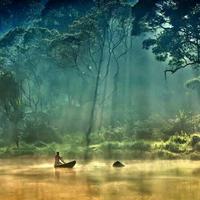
66	165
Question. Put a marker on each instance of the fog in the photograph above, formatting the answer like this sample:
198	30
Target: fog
70	68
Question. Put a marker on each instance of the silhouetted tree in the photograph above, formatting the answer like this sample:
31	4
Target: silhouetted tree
175	31
11	101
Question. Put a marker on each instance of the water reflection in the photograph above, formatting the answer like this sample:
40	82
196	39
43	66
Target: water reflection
160	180
57	174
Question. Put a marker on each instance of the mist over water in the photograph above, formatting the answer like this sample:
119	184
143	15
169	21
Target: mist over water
162	180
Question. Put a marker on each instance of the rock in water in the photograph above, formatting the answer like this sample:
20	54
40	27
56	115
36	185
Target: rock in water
118	164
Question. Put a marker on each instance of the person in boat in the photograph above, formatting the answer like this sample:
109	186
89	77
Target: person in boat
58	160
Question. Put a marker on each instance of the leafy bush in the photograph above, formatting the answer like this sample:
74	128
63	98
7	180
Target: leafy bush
195	138
3	143
167	155
177	143
180	139
141	130
74	139
181	124
197	147
173	147
35	132
115	134
25	149
148	129
108	146
40	144
195	156
48	149
144	134
139	146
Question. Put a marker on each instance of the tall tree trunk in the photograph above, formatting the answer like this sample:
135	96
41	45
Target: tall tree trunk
102	106
104	91
94	102
114	114
16	135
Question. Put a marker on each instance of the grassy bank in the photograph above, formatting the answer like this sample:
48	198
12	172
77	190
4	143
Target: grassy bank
180	146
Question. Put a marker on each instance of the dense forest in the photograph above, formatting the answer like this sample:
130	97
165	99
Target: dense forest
100	78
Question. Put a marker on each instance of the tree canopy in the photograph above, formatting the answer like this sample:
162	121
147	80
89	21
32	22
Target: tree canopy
174	29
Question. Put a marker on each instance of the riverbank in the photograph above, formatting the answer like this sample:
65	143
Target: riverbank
176	147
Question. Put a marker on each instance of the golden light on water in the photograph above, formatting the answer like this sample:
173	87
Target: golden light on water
139	180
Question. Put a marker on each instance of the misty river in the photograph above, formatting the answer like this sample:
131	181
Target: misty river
22	179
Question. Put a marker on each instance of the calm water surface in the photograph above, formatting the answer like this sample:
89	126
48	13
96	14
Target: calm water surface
31	179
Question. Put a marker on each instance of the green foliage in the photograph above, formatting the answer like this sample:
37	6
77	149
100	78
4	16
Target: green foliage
143	131
23	150
197	146
149	129
28	149
164	154
40	144
195	156
115	134
74	139
3	142
195	139
177	143
171	24
37	129
193	84
9	92
183	123
11	102
179	139
148	43
48	150
139	146
110	146
174	147
97	39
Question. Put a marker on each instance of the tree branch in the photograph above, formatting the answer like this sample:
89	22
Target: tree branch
177	68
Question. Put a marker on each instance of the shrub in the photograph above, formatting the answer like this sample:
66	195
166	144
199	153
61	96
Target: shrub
24	149
115	134
173	147
144	134
197	146
177	143
40	144
180	139
49	149
195	139
3	143
74	139
167	155
195	156
141	130
183	123
110	146
148	129
35	132
140	146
